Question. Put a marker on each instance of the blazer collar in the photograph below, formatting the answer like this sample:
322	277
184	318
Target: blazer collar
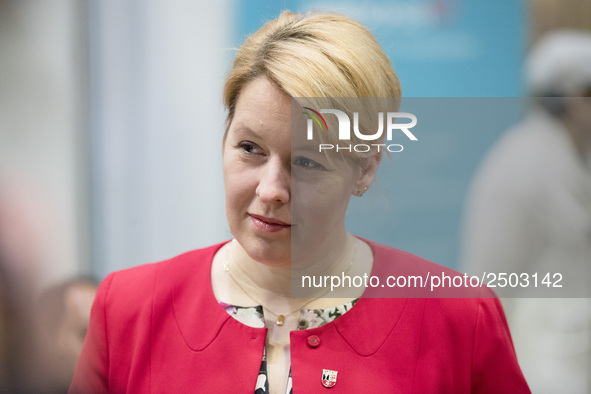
200	318
379	310
198	314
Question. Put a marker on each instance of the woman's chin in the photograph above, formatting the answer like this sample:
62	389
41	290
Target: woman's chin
273	254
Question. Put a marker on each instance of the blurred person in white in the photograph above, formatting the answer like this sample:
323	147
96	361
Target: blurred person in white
529	210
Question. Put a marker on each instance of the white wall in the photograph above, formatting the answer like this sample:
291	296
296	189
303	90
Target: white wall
110	131
157	69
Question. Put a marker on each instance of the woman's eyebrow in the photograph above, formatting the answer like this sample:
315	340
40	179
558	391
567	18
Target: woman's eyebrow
247	130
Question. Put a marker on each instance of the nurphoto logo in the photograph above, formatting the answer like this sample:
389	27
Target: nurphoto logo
345	130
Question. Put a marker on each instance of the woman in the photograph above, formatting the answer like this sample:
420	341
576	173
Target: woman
222	319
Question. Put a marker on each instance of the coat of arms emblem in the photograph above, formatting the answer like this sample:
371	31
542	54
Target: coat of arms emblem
329	378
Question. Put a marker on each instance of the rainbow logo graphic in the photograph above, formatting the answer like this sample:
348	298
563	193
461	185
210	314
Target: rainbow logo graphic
317	117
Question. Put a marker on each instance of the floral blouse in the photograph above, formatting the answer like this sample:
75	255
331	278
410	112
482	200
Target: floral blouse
309	318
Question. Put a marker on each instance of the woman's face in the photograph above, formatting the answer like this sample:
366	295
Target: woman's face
281	192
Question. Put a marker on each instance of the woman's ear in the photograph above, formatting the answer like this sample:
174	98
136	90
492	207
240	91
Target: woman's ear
367	174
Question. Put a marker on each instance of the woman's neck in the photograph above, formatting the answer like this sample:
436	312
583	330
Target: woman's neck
251	273
334	258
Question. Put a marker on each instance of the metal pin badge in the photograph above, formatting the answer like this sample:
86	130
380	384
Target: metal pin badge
329	378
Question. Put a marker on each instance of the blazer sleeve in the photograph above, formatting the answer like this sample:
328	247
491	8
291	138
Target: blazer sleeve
494	363
91	374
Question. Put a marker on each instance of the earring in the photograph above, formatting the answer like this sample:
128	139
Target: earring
360	193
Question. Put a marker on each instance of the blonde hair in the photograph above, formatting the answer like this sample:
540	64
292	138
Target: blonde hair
313	55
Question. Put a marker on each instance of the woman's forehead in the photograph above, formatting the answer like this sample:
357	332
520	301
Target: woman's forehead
263	97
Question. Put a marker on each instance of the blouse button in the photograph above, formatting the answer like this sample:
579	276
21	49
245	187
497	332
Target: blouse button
313	341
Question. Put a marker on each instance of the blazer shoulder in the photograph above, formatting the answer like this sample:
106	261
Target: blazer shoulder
416	277
137	285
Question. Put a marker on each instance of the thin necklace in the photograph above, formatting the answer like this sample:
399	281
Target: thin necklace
280	316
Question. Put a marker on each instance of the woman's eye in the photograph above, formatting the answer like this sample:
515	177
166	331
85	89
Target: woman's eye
308	164
250	148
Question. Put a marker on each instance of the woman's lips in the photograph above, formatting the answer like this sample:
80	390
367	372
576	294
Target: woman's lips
268	225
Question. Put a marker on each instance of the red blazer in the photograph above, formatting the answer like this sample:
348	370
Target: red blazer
158	328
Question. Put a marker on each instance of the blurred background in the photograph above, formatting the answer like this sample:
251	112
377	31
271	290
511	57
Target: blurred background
111	124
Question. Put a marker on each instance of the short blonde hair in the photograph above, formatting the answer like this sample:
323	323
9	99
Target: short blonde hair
313	55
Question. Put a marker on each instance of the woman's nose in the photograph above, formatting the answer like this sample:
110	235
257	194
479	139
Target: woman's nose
275	183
